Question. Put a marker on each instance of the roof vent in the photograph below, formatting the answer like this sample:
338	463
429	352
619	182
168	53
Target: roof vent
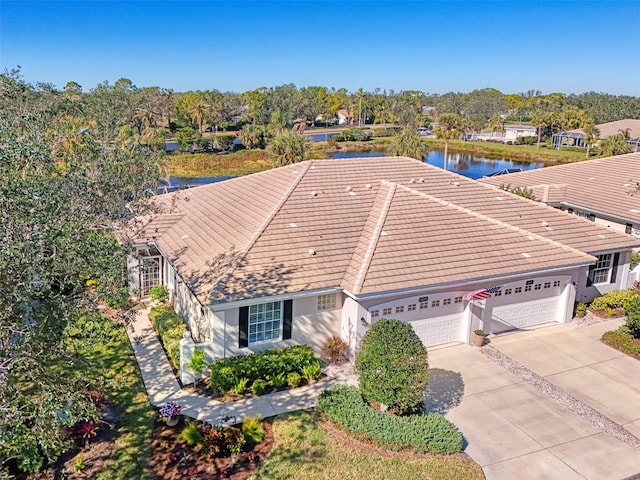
591	178
349	189
383	233
499	198
352	194
314	194
293	225
530	237
455	184
187	198
413	180
184	236
634	210
421	180
312	251
368	186
526	255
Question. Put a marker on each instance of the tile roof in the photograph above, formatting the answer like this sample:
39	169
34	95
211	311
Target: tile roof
367	225
612	128
602	185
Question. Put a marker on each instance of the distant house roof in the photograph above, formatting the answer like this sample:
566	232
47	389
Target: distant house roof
603	184
365	225
530	128
612	128
344	113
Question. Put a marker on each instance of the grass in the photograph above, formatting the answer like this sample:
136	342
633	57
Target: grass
208	165
112	363
303	450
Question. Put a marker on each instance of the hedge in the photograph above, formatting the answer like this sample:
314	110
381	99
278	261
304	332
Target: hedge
610	302
622	340
226	372
170	328
431	433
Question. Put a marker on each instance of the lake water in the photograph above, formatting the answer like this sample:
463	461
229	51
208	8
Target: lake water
465	164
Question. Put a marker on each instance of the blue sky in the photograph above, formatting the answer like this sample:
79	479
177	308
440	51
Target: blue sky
433	46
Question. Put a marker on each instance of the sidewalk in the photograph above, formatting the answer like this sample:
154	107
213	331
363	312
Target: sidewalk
162	385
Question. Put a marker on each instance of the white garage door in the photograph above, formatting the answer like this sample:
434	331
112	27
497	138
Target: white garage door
528	312
435	331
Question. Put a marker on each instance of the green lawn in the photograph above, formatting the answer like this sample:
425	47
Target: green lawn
112	364
304	450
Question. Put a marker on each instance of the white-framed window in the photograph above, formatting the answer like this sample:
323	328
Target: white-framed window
327	302
265	322
602	270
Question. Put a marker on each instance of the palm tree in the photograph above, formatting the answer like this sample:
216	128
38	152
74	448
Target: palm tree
289	147
591	136
408	143
542	119
197	110
449	125
616	144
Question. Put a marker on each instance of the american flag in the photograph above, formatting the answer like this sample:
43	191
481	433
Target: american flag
482	293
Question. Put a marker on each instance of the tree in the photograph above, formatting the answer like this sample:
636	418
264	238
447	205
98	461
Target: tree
449	127
393	367
591	136
542	120
255	136
289	147
408	143
616	144
64	190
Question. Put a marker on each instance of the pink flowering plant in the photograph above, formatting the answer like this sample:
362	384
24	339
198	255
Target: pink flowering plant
170	410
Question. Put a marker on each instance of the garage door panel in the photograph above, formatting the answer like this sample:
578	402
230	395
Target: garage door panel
522	315
438	330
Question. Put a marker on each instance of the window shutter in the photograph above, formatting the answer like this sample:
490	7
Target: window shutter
244	327
590	275
287	319
614	267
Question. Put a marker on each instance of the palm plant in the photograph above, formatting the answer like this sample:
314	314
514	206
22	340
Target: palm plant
289	147
408	143
591	136
449	126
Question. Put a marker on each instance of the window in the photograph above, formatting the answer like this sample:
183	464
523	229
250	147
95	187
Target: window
457	300
411	307
498	293
547	284
446	301
265	321
424	305
150	274
600	272
517	290
327	302
538	286
435	303
527	288
628	228
386	311
375	313
400	309
556	283
507	291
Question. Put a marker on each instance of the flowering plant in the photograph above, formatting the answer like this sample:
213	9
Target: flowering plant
170	410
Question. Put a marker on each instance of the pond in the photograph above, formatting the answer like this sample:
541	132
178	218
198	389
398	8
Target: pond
465	164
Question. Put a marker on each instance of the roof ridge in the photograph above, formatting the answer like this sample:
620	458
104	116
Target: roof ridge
254	238
491	219
373	242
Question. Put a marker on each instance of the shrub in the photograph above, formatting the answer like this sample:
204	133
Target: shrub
611	302
293	379
170	328
622	340
635	260
197	364
225	141
240	386
117	298
253	430
258	387
279	380
234	439
159	293
214	441
312	372
581	310
191	434
335	349
268	364
633	318
353	135
393	367
430	433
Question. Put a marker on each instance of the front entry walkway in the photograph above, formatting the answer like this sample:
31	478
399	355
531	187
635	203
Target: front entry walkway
162	386
514	430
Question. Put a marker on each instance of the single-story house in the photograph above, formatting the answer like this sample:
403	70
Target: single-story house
344	116
320	248
510	134
576	137
603	190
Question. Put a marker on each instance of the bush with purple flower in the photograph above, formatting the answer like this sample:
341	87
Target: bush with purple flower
170	410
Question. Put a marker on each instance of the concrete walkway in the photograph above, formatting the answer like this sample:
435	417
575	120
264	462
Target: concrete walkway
514	430
162	386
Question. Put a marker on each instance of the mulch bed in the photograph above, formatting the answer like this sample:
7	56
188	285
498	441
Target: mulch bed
173	459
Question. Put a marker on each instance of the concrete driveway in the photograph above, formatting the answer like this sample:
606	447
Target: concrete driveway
515	431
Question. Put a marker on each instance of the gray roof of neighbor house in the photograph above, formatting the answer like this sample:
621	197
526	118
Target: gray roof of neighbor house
602	185
367	225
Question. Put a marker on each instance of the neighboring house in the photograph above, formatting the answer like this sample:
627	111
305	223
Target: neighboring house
303	252
604	190
576	138
511	134
344	116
